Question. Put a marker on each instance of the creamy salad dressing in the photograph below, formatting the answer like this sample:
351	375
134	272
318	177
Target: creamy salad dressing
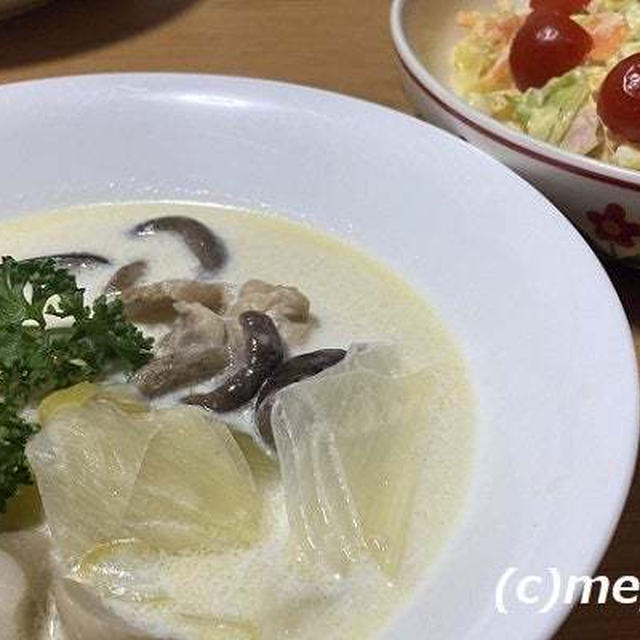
353	299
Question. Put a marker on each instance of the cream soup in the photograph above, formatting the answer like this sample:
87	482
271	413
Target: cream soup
259	591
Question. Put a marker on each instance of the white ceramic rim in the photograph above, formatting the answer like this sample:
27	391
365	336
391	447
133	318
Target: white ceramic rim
516	141
108	86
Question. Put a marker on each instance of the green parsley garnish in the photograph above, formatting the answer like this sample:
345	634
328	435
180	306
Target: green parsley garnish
38	356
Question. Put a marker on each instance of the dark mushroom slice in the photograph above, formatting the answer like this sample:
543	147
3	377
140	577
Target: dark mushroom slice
155	302
294	370
193	350
204	244
125	277
76	260
264	352
168	372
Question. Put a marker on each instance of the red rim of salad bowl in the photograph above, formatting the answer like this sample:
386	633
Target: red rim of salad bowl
535	149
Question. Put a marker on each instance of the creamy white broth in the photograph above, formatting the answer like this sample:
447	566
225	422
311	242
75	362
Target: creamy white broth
353	299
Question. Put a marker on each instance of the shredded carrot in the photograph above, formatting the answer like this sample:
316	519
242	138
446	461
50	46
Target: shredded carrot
467	18
501	29
609	32
499	76
509	26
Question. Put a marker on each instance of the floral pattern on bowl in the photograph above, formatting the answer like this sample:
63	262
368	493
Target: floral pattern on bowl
612	226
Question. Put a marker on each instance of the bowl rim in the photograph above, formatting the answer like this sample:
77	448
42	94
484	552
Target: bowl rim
515	141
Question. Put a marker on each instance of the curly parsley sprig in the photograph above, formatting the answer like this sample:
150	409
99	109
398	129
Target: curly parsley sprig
14	434
38	356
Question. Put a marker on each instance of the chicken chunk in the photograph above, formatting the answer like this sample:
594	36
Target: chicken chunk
196	325
287	306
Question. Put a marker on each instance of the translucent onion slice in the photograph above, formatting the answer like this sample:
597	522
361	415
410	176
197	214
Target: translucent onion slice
346	443
194	487
172	479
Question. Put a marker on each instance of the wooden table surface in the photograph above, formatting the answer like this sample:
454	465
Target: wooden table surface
342	45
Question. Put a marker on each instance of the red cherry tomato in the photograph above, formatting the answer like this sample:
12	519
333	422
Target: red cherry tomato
562	6
619	100
547	45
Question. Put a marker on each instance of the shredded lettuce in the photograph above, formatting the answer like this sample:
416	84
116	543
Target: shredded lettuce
547	113
632	16
614	5
472	58
627	156
498	104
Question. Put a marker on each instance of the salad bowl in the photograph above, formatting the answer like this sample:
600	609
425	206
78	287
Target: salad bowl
601	200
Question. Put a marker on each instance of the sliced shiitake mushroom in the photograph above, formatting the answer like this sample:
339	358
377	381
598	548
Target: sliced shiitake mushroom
165	373
126	276
204	244
195	349
155	302
264	352
76	260
293	370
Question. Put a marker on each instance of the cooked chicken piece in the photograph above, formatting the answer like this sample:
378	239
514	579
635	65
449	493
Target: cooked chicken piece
287	302
287	306
194	349
196	325
154	302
